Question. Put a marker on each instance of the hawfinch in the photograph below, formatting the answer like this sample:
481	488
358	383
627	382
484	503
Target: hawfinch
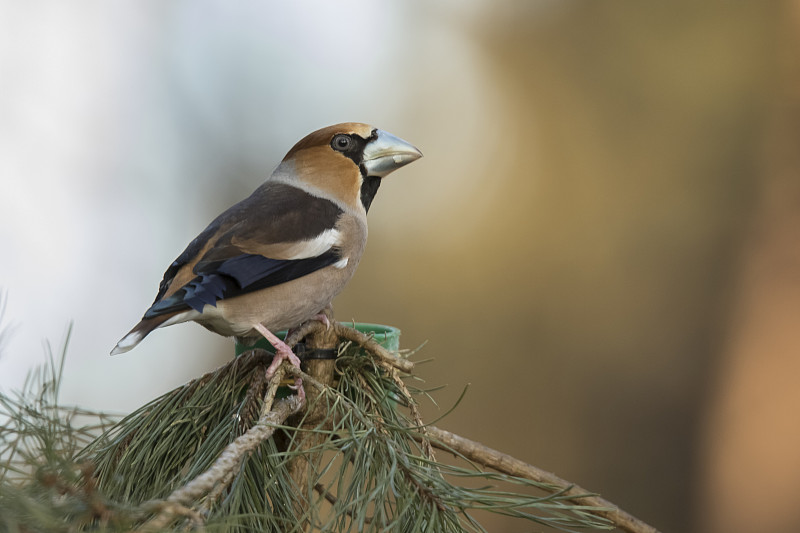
278	257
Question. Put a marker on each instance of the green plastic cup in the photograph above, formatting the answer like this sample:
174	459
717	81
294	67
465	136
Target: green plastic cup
386	336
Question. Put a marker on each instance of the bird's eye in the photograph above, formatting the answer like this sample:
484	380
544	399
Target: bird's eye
341	142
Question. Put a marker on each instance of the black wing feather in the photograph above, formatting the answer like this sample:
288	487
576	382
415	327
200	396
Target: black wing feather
275	212
236	276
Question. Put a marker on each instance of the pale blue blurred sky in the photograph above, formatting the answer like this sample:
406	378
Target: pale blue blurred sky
125	127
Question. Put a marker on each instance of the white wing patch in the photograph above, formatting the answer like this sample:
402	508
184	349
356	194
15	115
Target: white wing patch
312	247
341	263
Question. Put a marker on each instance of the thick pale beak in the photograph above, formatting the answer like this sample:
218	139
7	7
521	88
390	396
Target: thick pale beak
386	153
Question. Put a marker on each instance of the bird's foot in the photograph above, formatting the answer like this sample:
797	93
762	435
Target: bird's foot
282	353
298	386
322	317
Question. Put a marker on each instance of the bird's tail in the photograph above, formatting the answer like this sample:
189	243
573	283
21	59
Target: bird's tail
139	332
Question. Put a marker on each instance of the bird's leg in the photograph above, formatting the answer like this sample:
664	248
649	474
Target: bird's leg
282	353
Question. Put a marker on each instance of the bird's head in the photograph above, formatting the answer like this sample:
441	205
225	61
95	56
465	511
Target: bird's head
347	161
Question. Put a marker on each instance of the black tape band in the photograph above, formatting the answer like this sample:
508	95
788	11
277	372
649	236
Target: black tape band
304	354
319	353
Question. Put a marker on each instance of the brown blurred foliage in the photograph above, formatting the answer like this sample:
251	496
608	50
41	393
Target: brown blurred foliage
626	303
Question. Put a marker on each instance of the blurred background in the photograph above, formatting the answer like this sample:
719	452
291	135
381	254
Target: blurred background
602	238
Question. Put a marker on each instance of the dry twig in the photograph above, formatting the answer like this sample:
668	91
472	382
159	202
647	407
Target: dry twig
502	462
372	346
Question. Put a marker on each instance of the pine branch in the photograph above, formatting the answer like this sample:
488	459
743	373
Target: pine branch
305	440
225	451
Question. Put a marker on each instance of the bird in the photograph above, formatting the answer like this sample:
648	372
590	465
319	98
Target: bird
279	257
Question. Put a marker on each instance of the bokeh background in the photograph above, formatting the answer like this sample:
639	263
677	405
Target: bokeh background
602	238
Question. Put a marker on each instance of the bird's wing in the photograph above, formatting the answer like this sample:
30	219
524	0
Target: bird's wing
278	234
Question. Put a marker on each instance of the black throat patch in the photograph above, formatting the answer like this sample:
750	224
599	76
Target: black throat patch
369	188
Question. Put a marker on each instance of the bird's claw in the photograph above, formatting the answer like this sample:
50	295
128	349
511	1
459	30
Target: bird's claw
298	386
322	317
